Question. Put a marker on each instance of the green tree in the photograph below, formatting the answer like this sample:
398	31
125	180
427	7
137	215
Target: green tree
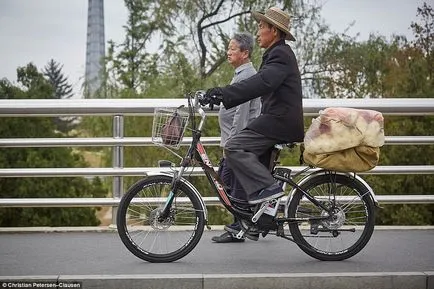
130	64
61	90
424	34
200	32
379	67
414	62
34	85
53	72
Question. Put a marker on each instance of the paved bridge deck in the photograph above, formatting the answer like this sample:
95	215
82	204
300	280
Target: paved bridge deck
392	259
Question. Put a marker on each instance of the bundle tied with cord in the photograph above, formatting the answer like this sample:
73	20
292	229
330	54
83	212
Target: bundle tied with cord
344	139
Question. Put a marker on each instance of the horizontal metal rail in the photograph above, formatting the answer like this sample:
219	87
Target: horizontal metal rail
145	107
147	141
197	171
53	107
209	201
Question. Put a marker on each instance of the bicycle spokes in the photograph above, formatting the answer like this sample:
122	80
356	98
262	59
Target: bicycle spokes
158	225
341	226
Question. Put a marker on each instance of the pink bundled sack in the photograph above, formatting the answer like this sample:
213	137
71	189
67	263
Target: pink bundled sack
344	139
339	128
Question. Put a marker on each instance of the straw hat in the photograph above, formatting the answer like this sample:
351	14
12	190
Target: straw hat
277	18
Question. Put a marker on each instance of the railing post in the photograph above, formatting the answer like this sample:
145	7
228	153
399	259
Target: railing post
118	161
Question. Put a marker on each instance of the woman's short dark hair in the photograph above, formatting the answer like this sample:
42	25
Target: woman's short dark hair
245	41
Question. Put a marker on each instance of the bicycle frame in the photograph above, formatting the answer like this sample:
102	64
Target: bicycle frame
207	166
218	185
197	152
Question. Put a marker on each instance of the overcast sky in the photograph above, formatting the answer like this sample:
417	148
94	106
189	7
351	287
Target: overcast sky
39	30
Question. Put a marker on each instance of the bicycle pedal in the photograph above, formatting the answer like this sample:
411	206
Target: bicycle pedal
240	234
261	210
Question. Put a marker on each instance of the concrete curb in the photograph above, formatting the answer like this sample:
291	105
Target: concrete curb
365	280
113	229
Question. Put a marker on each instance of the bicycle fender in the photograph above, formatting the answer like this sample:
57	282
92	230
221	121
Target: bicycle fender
190	186
323	172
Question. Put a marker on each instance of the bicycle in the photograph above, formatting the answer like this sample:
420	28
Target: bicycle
161	218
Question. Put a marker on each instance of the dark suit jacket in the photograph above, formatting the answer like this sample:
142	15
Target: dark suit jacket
278	81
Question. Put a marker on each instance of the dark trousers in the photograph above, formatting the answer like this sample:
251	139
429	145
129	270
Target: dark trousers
243	153
228	177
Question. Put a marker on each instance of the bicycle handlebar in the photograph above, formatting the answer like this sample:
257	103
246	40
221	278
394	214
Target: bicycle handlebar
197	97
197	105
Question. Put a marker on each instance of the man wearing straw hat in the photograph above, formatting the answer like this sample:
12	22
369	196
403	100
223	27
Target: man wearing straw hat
278	82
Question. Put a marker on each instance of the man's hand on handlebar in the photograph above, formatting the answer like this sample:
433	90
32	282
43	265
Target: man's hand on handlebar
213	96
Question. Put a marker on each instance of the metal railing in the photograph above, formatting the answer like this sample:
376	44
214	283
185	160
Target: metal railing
53	107
118	108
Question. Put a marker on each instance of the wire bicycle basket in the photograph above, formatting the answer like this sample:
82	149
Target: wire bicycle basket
168	126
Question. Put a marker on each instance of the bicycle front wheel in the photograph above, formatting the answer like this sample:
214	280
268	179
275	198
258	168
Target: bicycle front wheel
341	234
146	234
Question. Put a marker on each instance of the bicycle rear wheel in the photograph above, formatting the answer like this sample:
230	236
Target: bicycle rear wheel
153	239
344	233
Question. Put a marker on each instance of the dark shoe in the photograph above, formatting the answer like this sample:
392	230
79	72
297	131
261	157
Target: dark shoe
254	236
226	238
272	192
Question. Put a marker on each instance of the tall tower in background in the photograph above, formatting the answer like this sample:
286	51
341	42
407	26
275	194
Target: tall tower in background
95	47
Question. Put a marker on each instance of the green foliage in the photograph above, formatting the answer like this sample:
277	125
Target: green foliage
200	32
35	86
59	82
130	65
424	34
406	215
378	67
61	90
